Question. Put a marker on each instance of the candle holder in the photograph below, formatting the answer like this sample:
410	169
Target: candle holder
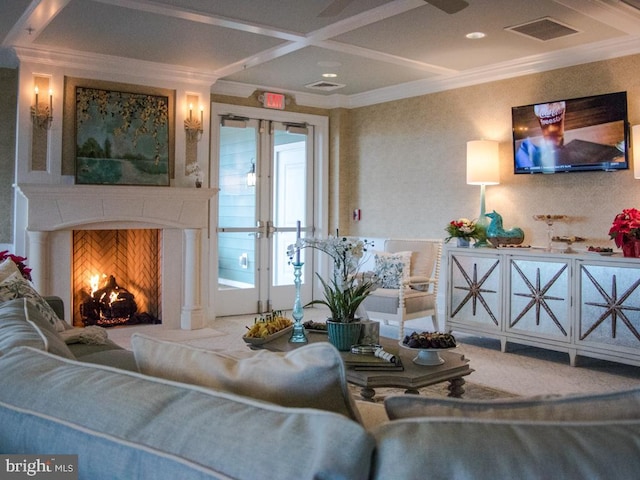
193	128
298	334
42	116
549	220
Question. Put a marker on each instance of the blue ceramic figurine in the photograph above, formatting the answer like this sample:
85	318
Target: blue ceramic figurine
497	235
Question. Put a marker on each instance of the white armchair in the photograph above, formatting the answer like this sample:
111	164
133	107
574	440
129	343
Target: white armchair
416	290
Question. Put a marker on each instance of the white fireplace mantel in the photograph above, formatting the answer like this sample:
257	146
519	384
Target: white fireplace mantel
52	208
61	207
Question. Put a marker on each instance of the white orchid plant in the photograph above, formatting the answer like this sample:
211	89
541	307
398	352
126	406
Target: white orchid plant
346	290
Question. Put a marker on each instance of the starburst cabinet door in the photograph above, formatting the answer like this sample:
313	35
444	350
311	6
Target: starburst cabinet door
540	298
475	291
609	307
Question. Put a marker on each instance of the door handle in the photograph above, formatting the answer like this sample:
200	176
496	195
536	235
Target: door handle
262	229
270	228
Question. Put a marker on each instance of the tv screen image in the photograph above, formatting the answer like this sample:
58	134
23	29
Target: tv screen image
579	134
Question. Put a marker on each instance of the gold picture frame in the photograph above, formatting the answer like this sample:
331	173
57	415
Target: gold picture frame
118	134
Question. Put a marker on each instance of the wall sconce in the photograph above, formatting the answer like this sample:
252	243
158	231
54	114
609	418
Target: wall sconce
193	126
635	145
251	175
42	113
483	168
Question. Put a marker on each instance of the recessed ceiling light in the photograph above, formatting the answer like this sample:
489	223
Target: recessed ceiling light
475	35
329	75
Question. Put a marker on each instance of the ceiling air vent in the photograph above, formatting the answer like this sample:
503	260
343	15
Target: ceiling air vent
543	29
324	85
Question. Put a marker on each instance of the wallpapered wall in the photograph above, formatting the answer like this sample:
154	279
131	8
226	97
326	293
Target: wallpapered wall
8	99
408	160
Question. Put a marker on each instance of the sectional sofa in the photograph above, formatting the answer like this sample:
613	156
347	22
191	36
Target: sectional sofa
167	411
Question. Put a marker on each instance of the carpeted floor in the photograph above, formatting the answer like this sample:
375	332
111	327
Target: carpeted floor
521	371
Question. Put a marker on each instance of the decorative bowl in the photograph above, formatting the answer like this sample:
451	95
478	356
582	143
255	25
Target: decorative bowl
427	356
268	338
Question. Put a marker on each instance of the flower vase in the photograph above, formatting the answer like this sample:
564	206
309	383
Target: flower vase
463	242
343	335
631	248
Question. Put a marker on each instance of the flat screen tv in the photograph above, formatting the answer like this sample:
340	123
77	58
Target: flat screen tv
579	134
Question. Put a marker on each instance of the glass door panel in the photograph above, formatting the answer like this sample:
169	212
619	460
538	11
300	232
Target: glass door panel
237	215
257	222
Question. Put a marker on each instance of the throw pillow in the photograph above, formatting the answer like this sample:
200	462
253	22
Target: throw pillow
392	269
16	286
311	376
621	405
7	267
52	340
15	331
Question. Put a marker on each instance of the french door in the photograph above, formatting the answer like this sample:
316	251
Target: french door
266	175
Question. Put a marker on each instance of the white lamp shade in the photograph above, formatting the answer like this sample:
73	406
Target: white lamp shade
635	145
483	162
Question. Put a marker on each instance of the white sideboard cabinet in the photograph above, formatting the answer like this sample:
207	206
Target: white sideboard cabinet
582	304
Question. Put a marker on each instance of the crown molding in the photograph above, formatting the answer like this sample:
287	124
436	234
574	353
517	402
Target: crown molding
108	64
152	72
593	52
525	66
235	89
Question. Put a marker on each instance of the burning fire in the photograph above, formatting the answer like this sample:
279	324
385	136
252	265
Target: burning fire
94	282
108	304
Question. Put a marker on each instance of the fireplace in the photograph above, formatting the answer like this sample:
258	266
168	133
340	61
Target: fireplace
116	277
54	214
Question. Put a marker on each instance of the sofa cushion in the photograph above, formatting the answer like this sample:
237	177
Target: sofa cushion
117	358
481	449
619	405
125	425
21	323
16	286
311	376
392	269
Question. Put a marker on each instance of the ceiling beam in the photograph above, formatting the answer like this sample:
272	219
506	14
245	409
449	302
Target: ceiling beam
34	20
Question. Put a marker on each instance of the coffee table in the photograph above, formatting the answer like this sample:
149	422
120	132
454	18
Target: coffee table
412	378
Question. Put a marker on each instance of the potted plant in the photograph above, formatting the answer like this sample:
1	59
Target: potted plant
625	231
464	230
345	291
19	261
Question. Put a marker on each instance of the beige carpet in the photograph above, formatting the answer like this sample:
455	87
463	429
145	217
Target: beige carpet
521	371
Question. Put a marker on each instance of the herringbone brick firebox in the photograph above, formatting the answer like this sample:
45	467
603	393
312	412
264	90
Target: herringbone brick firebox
131	256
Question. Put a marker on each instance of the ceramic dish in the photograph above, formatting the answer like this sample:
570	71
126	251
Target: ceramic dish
268	338
427	356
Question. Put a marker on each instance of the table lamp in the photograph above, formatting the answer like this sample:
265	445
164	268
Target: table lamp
483	168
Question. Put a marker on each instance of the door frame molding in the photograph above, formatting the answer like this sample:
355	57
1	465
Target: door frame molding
320	187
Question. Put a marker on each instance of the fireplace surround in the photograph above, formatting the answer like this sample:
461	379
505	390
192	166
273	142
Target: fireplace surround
53	212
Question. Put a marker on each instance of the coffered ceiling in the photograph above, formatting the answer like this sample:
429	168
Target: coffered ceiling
377	49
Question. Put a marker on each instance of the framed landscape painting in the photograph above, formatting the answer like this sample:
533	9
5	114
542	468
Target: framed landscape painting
122	137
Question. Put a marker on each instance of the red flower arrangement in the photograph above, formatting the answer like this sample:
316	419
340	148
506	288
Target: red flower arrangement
626	226
19	261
